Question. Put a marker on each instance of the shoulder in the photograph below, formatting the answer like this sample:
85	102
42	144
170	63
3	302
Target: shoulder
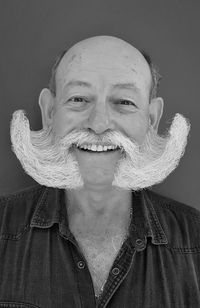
21	194
180	222
16	210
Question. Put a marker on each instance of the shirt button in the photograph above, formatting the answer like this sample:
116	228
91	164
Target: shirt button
115	271
81	264
140	244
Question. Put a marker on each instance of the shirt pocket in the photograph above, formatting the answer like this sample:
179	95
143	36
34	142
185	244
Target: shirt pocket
16	305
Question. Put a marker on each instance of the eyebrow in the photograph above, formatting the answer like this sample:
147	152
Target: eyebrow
80	83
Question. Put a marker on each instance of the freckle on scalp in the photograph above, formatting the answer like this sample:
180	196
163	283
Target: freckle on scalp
74	57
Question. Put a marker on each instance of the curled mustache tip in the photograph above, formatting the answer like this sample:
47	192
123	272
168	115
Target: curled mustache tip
180	122
18	120
19	115
179	129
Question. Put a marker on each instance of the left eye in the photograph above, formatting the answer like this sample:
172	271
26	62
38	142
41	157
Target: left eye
126	102
77	99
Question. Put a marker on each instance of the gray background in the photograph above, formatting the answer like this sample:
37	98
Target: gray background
32	33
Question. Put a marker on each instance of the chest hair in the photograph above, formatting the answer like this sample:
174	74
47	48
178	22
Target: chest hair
100	255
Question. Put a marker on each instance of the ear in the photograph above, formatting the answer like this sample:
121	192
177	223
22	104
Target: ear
155	111
46	103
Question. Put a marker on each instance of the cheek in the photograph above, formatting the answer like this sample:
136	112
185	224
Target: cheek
64	122
136	128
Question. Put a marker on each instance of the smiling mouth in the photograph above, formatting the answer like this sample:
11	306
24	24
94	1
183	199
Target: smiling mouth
85	151
98	152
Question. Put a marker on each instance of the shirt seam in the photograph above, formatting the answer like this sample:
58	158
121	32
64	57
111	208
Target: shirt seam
184	250
15	237
19	194
19	303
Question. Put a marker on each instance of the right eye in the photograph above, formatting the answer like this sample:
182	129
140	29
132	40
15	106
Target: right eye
77	99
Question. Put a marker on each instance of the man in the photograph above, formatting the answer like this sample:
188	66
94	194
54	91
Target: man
91	235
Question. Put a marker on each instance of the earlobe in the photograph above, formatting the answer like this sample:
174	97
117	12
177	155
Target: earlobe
46	103
155	112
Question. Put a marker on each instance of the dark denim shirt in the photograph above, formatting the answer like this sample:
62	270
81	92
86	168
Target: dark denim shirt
41	264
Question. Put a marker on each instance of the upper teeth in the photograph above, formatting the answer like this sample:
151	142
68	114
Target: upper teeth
98	148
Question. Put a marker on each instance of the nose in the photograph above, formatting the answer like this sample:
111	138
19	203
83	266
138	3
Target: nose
99	120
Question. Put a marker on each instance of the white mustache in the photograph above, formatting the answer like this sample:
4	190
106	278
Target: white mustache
44	156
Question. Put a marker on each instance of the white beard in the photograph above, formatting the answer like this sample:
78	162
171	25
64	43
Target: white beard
51	161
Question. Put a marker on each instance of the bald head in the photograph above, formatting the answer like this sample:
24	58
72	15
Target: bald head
107	53
104	48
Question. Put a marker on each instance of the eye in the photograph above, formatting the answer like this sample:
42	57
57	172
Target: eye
126	102
77	99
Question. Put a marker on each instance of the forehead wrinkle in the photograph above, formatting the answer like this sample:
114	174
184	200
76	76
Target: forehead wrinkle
75	73
126	86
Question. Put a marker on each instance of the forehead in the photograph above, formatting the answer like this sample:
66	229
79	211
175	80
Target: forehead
105	64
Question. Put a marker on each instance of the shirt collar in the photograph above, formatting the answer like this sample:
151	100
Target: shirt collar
47	211
145	222
51	208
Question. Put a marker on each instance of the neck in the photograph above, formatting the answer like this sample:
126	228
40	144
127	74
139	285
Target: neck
97	212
